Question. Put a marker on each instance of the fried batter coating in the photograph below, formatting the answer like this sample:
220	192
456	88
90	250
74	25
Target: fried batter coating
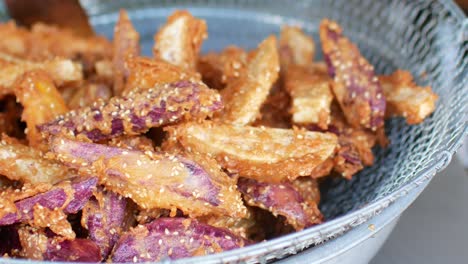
126	46
179	40
104	217
173	238
355	85
137	112
283	199
88	93
264	154
295	47
41	102
23	163
147	73
133	143
275	111
218	69
155	180
61	71
405	98
44	42
244	97
311	95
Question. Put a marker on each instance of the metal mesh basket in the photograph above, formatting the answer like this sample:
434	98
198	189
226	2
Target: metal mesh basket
426	37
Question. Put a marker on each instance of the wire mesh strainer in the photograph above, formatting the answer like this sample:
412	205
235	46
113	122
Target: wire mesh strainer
426	37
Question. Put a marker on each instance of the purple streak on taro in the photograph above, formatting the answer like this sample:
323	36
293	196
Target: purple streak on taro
355	85
80	190
77	250
280	199
137	112
173	238
104	217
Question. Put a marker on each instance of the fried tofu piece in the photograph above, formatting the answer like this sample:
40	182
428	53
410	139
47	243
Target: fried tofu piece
179	40
218	69
61	71
244	97
23	163
155	180
355	85
295	47
264	154
41	102
405	98
311	95
126	46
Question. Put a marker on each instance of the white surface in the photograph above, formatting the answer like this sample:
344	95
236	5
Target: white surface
434	229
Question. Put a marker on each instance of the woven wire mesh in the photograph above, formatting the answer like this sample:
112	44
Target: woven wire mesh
427	38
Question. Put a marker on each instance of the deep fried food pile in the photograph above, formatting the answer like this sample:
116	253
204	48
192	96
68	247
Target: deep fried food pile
106	155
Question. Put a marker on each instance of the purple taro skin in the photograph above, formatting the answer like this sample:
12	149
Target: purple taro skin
173	238
153	180
104	216
69	195
137	112
280	199
355	85
77	250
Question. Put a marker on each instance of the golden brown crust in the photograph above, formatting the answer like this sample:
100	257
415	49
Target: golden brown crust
295	47
179	41
264	154
405	98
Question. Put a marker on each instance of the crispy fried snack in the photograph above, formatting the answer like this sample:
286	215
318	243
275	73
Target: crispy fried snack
244	96
23	163
146	74
355	85
264	154
126	46
88	93
141	143
219	69
104	216
295	47
68	196
36	244
173	238
179	40
44	42
311	95
137	112
406	99
283	199
155	180
41	102
275	111
61	71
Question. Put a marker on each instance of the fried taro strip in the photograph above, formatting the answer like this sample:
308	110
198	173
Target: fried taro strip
23	163
153	180
104	217
355	85
61	71
126	46
173	238
89	93
36	244
137	112
218	69
41	102
295	47
147	73
311	95
406	99
179	40
68	196
281	199
265	154
244	96
44	42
